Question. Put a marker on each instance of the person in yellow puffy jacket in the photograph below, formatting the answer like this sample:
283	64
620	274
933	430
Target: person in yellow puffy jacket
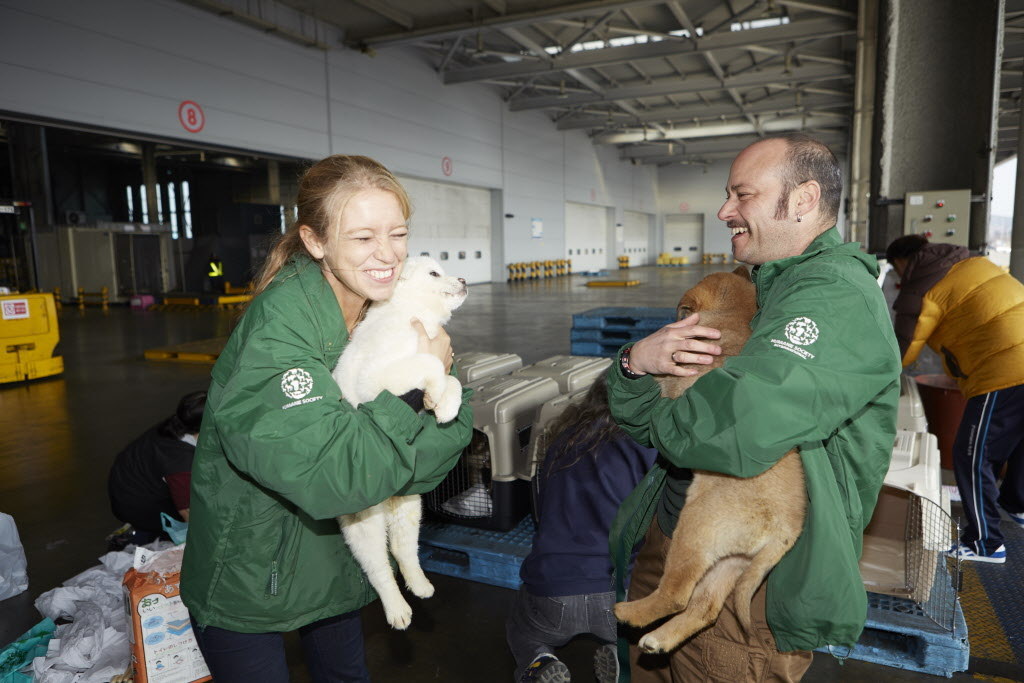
971	312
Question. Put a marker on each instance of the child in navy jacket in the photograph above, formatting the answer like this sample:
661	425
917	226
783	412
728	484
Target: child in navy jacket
589	468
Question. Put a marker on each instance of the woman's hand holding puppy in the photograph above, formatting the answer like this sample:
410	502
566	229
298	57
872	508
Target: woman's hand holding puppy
669	350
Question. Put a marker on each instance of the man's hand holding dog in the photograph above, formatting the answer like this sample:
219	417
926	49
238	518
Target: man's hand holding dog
669	350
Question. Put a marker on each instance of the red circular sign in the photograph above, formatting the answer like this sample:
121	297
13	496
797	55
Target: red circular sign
191	116
446	165
684	207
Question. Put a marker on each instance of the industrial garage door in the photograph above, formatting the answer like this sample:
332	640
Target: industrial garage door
684	236
636	238
586	236
451	223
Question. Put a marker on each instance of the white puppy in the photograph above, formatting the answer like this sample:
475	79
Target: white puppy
382	356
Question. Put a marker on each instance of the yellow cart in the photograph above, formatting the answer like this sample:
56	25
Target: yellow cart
28	336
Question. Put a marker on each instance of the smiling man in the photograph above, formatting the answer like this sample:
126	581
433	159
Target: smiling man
820	372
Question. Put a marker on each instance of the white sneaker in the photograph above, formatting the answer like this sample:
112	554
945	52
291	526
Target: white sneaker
965	553
1018	517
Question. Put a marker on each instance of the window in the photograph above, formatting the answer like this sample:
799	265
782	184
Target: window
131	204
172	203
143	208
186	209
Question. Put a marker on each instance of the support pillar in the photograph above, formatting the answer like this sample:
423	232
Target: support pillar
273	182
935	107
30	170
859	186
149	181
1017	236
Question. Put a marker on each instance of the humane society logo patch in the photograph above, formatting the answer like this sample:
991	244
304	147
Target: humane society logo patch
297	383
800	332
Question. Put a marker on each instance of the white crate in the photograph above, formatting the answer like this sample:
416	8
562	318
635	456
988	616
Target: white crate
910	412
572	373
473	366
916	466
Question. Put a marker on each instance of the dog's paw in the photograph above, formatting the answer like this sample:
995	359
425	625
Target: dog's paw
628	613
399	616
446	408
649	644
420	587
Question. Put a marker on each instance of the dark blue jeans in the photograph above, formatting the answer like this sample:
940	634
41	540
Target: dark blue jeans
333	650
991	433
539	624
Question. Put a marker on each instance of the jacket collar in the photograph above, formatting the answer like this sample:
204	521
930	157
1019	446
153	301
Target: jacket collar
765	274
320	297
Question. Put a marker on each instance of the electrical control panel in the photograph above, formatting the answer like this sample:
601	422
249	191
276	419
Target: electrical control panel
940	215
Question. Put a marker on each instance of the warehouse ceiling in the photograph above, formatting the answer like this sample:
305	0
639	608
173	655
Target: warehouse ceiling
666	81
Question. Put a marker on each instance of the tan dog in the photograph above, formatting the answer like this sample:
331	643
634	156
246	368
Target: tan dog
731	531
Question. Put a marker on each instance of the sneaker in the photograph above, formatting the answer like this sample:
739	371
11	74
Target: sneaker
546	669
965	552
1017	517
606	664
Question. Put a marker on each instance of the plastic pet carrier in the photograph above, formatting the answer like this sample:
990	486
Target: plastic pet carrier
572	373
473	366
489	487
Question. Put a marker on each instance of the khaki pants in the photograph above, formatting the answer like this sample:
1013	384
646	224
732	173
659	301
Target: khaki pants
723	653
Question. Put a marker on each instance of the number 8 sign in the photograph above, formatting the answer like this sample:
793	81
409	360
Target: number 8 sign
191	116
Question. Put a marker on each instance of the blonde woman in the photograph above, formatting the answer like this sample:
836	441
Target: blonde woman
280	455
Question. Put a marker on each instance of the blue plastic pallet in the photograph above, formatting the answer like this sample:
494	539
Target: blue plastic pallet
608	350
624	318
899	635
491	557
607	336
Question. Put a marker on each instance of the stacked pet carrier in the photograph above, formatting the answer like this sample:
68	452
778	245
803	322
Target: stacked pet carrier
490	486
914	618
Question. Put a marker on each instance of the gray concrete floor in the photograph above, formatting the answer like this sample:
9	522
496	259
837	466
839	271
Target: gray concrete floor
60	435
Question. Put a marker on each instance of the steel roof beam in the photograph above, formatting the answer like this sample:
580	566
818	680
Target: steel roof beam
665	86
815	7
574	9
771	125
780	105
403	19
798	30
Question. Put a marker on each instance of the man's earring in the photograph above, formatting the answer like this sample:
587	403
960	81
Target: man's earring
798	218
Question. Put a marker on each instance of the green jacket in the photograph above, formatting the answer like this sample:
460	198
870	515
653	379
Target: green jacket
280	454
820	371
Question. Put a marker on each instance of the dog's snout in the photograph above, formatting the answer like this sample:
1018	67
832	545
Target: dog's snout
462	280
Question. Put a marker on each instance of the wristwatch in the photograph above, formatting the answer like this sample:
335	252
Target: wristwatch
627	371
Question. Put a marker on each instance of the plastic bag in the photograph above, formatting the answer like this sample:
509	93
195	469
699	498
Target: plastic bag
13	566
175	529
23	650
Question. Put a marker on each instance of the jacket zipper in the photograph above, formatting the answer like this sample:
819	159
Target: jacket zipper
273	579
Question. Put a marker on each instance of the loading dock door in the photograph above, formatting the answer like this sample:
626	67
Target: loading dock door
451	223
586	236
684	236
636	237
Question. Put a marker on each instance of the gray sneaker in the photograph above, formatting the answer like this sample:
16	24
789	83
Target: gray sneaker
606	664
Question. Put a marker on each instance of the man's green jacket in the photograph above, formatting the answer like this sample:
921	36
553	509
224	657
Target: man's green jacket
280	454
821	372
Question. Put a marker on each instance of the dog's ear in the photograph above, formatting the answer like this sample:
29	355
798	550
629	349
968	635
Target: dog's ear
742	272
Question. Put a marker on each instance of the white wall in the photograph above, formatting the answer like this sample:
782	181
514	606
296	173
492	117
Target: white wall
129	64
